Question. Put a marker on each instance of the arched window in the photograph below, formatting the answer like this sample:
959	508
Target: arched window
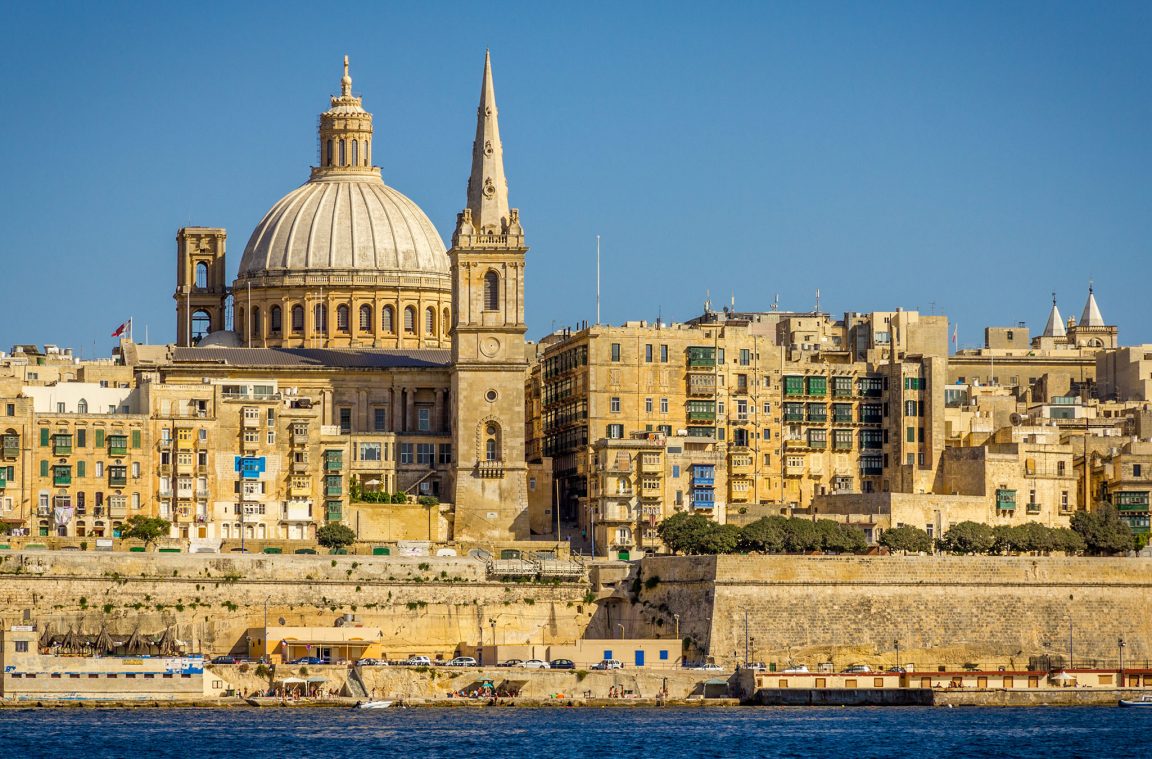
492	442
446	324
342	318
355	152
238	321
343	160
201	275
491	291
365	152
297	318
201	324
255	321
430	321
320	318
328	161
275	319
365	318
387	320
410	320
81	406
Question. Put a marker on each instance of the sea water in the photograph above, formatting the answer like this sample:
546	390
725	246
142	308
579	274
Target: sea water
587	733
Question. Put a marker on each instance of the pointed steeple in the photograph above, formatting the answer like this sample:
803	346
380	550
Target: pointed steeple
1091	316
1055	326
346	81
487	187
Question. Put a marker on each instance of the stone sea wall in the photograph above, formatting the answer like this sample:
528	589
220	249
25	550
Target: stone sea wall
941	610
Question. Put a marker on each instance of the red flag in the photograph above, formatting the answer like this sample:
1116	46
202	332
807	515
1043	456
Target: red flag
120	330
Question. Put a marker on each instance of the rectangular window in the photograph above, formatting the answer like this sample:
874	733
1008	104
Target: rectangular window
426	454
614	405
615	352
380	419
445	453
615	431
135	438
663	405
370	452
81	438
405	453
345	421
21	646
745	357
663	356
648	353
648	405
424	419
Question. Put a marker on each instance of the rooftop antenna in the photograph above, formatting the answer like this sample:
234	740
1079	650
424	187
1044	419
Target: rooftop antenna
733	300
776	302
597	279
707	301
817	300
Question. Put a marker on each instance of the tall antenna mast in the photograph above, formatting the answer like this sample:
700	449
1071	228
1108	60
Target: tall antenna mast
597	279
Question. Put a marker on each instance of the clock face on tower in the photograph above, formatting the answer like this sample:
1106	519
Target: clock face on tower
490	346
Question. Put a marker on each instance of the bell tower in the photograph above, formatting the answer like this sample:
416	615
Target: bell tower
488	349
201	291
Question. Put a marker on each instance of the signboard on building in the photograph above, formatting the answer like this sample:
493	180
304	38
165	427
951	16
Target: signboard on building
413	547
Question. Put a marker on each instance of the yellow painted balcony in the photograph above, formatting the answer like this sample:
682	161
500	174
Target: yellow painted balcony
651	491
300	489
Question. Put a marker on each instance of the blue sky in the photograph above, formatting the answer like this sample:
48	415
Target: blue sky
967	158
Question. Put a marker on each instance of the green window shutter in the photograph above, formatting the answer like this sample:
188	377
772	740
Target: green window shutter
135	438
44	468
79	468
99	438
43	437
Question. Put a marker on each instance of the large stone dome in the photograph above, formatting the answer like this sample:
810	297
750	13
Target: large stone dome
343	223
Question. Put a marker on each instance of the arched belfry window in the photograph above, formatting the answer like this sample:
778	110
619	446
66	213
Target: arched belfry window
365	152
388	320
320	318
255	321
446	325
297	318
343	160
410	320
201	275
328	157
201	324
355	152
342	318
365	318
491	291
275	317
492	442
430	322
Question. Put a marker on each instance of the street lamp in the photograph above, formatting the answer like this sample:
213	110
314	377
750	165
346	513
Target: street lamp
897	644
1120	645
676	618
492	622
621	630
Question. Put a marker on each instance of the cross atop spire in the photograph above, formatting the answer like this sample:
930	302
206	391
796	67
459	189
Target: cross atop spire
346	81
487	187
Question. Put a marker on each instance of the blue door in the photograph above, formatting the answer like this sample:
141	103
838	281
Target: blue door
640	658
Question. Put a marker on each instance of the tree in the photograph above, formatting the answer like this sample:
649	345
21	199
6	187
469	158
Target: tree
969	537
841	538
335	535
906	538
1066	540
147	529
720	538
765	535
803	536
1103	531
684	532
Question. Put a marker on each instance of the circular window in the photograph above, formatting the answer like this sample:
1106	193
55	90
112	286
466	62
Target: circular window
491	395
491	429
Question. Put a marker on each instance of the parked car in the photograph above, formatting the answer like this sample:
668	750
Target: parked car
562	664
608	664
308	660
511	663
463	661
370	662
796	669
857	669
419	661
225	660
756	666
535	664
709	668
896	670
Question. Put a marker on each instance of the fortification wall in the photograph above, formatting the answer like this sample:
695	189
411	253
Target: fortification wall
424	605
942	610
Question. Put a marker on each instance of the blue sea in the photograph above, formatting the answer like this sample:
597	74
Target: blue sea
558	733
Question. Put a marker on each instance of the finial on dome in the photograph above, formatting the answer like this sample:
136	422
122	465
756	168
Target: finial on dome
346	80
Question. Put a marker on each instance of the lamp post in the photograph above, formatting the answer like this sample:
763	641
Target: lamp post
679	643
621	630
492	623
1120	645
896	643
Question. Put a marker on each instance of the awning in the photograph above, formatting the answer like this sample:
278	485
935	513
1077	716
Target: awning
292	681
316	680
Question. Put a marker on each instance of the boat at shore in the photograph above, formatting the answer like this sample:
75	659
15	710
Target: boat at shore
1144	701
372	704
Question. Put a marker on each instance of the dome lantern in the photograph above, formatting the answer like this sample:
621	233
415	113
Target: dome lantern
345	133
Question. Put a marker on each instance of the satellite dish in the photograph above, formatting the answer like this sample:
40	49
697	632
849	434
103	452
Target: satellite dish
1016	419
281	621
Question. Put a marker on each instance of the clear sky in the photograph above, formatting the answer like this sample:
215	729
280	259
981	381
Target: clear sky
968	158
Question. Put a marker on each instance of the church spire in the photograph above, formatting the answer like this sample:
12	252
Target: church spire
1091	316
1055	326
487	187
346	81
